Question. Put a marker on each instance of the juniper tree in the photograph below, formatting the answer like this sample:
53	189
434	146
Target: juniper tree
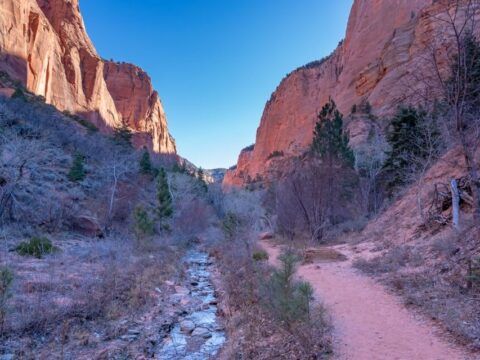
77	171
164	198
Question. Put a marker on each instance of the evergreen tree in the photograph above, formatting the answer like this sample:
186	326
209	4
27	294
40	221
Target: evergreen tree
165	202
144	226
465	80
401	138
462	100
201	179
122	135
407	140
201	174
330	142
145	163
77	171
19	94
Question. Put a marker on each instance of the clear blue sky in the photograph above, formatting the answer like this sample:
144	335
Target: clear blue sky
215	62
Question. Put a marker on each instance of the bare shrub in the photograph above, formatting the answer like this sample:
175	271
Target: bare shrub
313	199
445	246
369	160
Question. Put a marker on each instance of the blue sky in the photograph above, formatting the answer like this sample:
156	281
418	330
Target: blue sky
215	62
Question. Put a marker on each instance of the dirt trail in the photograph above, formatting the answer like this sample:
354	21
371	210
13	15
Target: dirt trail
369	323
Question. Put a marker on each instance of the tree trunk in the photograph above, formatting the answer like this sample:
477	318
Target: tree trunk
475	185
455	204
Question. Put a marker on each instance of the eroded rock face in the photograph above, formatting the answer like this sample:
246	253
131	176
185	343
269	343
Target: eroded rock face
383	42
43	43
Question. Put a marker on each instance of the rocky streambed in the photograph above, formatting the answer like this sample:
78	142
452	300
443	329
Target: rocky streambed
198	332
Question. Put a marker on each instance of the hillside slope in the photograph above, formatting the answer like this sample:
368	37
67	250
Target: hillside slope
44	44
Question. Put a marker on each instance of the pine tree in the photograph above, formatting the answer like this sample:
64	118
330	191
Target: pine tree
330	142
465	78
405	137
201	174
145	163
165	203
122	135
144	226
201	179
77	171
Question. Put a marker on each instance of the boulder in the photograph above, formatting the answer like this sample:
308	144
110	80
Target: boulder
87	225
266	235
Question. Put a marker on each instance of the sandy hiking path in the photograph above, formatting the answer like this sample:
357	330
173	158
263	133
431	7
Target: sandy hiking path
369	323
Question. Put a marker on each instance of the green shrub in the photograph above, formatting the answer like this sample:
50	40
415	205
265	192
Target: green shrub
19	94
144	226
85	123
274	154
260	255
36	246
249	148
77	171
6	279
230	225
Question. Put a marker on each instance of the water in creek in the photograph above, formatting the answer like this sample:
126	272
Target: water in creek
198	334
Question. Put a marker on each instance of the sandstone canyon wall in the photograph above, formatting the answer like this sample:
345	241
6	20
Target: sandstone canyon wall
384	41
44	44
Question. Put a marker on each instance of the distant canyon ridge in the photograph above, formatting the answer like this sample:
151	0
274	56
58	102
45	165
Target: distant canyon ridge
43	44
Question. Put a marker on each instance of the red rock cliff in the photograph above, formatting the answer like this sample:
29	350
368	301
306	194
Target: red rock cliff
382	43
44	44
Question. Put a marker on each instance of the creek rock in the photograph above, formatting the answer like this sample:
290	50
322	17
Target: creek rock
187	326
202	332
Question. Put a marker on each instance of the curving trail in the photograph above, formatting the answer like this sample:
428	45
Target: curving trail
369	323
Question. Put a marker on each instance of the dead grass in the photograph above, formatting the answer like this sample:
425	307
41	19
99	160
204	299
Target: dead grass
88	289
392	260
313	255
454	307
433	276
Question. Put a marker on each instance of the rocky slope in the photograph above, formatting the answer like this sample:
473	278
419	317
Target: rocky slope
384	41
43	44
